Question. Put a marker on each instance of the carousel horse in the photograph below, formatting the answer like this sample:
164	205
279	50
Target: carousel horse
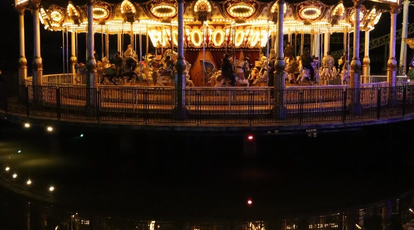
328	70
345	74
217	79
241	68
304	74
327	74
292	68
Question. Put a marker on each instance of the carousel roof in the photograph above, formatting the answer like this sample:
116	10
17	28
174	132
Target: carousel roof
243	23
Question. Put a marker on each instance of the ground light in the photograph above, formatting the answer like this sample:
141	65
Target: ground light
14	175
27	125
29	182
49	128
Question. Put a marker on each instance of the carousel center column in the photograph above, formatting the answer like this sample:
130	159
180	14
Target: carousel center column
355	73
392	62
37	62
279	87
91	84
180	112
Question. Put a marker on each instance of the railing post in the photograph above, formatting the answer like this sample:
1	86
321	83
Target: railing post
27	101
146	106
98	107
198	107
378	103
404	99
251	111
344	95
58	111
300	107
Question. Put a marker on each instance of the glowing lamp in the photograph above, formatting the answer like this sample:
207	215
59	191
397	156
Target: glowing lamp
29	182
27	125
250	137
49	128
14	175
249	201
51	189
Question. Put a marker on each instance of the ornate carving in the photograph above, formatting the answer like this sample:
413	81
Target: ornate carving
356	65
392	64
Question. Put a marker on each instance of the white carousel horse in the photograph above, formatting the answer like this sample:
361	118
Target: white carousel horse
327	74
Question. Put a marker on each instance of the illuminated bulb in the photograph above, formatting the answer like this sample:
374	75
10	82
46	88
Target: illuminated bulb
19	151
249	202
51	188
7	169
29	182
49	128
26	125
250	137
14	175
81	135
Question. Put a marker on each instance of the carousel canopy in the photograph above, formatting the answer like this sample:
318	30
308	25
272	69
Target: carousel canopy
247	23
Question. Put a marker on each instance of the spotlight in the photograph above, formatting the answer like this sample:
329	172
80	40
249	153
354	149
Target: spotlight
51	189
49	129
27	125
14	175
29	182
7	168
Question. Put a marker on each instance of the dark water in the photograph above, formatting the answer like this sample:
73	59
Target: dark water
168	175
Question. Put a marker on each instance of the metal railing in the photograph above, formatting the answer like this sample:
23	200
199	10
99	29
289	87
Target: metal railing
226	106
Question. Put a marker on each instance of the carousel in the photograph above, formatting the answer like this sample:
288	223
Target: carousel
246	30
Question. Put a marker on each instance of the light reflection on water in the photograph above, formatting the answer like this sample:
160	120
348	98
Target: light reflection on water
201	175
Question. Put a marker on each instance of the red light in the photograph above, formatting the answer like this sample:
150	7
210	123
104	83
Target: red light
250	137
249	202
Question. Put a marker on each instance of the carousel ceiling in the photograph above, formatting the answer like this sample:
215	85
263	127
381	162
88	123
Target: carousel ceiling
239	23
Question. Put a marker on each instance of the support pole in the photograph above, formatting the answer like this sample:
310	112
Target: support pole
302	43
366	61
107	45
327	44
22	59
392	62
204	52
180	112
73	58
355	72
91	81
119	43
403	53
279	87
37	62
